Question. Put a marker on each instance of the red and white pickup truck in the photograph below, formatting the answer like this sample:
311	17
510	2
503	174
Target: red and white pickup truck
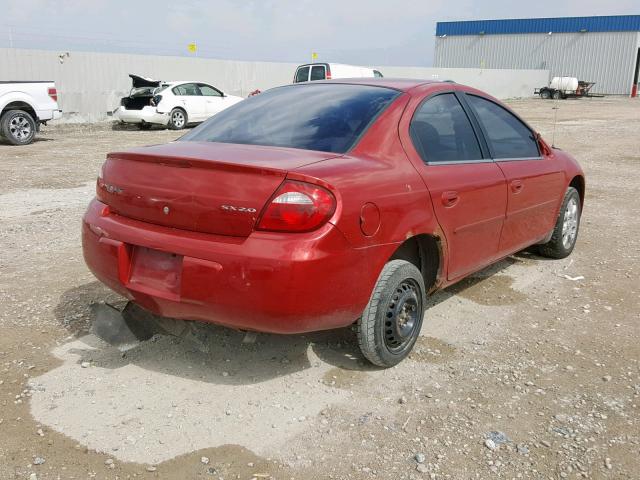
24	106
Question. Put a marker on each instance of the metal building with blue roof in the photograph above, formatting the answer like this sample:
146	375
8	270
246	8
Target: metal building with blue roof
603	49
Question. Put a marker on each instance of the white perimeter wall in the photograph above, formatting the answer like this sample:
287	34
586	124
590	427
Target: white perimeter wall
90	84
501	83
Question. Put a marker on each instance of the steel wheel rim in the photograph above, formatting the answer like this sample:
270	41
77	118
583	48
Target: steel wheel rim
402	317
570	223
178	118
20	128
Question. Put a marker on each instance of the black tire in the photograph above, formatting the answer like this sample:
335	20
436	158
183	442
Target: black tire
557	95
18	127
144	126
177	119
391	321
546	94
565	232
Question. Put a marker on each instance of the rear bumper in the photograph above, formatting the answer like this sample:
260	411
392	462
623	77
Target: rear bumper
279	283
46	115
146	115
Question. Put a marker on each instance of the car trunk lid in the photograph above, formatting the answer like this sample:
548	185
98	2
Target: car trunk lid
199	186
138	82
141	93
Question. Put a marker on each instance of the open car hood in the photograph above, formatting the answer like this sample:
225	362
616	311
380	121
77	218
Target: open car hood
138	82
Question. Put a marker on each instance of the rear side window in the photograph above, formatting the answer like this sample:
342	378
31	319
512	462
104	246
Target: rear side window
442	132
302	75
189	89
328	118
377	74
317	72
508	137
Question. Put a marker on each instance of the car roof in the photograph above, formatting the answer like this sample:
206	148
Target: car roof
333	63
402	84
176	82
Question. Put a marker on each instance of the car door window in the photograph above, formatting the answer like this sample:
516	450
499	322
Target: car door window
508	137
302	75
209	91
441	131
317	72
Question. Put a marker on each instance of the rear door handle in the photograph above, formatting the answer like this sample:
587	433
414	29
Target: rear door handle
516	186
450	198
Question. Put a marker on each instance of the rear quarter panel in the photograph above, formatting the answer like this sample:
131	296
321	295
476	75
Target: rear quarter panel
34	94
377	171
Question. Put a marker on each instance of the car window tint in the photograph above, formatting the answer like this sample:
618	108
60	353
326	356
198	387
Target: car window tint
302	75
441	131
377	74
507	135
317	72
322	117
208	91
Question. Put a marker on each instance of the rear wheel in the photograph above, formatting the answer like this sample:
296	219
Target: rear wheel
565	232
391	321
557	95
177	119
18	127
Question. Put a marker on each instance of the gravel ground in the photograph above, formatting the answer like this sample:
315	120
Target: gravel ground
528	369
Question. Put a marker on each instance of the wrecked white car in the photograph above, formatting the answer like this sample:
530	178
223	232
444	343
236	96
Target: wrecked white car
171	104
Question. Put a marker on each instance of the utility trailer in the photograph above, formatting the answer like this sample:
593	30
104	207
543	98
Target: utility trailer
566	87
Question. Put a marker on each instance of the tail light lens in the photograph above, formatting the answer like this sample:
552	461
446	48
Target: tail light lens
297	207
53	93
328	73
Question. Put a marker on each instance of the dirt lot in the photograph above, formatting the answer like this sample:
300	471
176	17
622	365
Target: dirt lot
523	349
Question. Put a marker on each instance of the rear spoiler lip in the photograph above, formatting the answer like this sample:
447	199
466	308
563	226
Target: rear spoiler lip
191	162
185	161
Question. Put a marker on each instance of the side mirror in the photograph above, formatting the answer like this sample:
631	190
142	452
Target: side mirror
542	145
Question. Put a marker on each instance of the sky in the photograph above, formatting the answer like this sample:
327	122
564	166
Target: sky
363	32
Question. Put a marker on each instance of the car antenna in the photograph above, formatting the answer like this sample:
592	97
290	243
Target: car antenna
555	109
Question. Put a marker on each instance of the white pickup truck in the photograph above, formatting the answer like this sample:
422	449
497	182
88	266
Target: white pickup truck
24	106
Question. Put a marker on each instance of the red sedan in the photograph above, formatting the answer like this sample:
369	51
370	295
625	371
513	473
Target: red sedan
320	205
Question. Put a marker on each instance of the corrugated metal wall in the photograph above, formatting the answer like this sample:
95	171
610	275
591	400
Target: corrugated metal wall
91	84
602	57
607	23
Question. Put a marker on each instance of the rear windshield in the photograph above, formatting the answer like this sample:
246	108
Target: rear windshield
324	117
302	75
317	72
147	91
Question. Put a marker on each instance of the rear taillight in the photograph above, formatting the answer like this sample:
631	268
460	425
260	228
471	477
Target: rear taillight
53	93
328	73
297	207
